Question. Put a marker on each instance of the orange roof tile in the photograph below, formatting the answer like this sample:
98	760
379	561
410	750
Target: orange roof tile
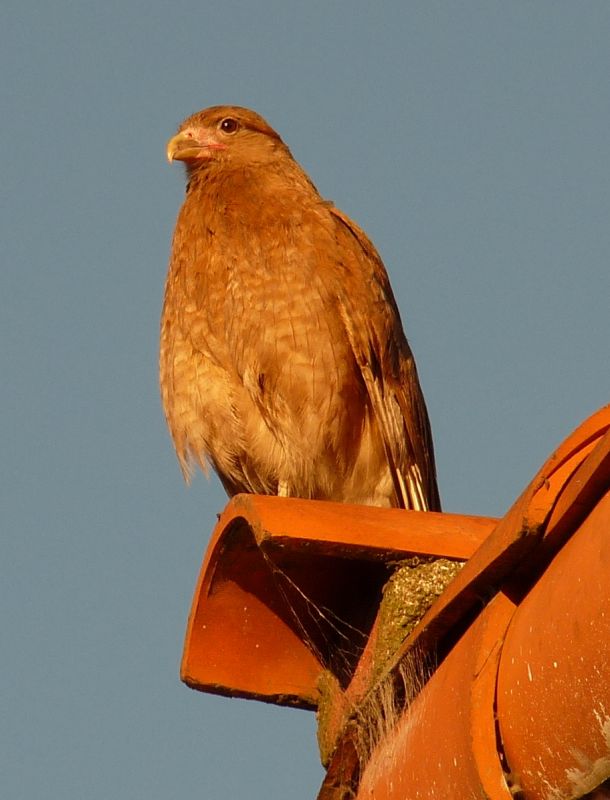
285	611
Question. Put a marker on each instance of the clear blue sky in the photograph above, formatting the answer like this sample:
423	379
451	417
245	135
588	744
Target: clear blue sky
471	140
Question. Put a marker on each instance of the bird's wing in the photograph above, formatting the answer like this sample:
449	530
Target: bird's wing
373	325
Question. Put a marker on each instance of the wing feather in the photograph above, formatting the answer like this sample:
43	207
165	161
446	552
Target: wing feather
387	367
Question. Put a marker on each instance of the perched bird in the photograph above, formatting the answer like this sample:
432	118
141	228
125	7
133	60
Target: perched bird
283	360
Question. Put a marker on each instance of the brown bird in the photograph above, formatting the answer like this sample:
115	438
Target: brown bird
283	359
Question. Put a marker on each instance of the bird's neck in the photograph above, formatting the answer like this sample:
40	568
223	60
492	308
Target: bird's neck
227	187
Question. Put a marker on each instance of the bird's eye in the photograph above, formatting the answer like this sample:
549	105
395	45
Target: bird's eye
229	125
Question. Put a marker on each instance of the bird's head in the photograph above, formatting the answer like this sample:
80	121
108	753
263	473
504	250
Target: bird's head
224	135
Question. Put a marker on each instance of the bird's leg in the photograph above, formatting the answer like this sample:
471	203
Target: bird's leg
282	489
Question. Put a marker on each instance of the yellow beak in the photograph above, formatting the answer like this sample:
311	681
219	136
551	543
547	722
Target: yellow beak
183	147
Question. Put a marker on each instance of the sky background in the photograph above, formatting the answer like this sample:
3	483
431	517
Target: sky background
471	140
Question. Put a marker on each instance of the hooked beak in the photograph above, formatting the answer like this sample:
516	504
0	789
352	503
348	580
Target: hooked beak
186	146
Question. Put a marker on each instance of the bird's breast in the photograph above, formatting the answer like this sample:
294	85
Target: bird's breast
256	353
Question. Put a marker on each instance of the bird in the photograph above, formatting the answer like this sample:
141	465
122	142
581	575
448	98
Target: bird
283	361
